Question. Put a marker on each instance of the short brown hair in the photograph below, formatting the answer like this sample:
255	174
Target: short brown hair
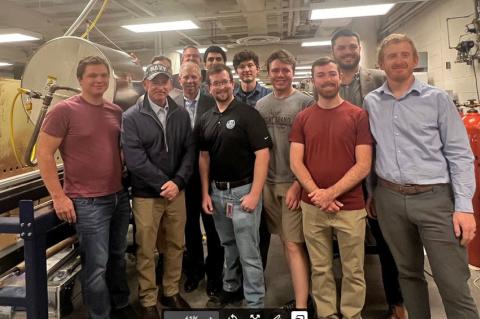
245	55
219	68
160	58
282	55
90	60
324	61
393	39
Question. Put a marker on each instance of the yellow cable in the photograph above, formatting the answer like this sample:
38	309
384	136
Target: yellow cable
12	139
94	22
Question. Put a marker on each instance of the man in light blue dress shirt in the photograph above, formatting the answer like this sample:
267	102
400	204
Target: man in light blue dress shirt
425	182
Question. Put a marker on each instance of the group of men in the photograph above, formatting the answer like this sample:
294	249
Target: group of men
237	154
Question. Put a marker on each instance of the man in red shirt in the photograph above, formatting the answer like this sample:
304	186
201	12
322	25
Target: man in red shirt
86	130
330	154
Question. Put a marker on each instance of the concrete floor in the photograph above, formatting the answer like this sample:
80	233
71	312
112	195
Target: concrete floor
279	288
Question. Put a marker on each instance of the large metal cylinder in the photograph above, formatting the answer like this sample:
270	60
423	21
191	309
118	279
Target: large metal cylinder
59	58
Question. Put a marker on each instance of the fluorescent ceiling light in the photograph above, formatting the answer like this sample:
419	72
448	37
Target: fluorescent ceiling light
351	12
303	73
229	63
316	43
5	64
16	37
162	26
303	67
202	51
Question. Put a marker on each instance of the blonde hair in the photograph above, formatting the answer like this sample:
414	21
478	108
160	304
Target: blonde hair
393	39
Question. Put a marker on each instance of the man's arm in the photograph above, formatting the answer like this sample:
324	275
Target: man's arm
299	169
46	147
303	175
204	169
171	188
363	158
250	201
136	158
458	153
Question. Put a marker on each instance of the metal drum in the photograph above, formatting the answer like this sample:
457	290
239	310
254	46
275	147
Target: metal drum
59	58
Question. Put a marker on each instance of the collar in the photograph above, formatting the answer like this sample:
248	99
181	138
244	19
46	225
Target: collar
417	86
239	89
196	98
230	107
155	107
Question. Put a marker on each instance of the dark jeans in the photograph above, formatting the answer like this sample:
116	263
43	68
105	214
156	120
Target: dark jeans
195	264
391	285
411	223
102	225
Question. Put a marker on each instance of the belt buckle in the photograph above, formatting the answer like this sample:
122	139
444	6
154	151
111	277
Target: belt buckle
408	189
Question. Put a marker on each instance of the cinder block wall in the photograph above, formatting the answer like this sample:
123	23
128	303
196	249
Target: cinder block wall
429	32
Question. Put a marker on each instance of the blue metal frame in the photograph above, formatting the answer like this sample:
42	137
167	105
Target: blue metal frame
32	225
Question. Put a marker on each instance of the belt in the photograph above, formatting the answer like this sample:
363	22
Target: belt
406	189
228	185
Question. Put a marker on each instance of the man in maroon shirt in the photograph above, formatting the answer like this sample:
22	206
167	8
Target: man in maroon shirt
330	154
86	130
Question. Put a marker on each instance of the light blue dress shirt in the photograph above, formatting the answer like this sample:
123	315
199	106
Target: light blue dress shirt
420	139
191	107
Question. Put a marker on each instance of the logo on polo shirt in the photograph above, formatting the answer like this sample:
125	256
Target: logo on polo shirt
230	124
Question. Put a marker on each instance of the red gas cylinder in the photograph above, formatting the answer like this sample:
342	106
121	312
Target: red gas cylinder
472	123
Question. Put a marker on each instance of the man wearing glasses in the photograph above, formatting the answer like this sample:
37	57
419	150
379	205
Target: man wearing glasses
234	153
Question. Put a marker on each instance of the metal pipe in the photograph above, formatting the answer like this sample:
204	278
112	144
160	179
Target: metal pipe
47	100
81	18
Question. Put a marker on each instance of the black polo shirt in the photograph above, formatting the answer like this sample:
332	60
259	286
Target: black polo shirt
232	138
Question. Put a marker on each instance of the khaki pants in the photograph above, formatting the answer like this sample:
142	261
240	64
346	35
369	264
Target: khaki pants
149	214
349	227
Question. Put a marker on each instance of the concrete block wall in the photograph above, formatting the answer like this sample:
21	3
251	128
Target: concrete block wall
429	32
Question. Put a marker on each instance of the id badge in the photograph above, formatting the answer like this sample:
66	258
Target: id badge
229	209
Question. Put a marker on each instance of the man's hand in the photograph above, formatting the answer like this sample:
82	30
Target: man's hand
370	207
464	227
64	209
207	205
334	207
292	198
249	202
322	198
169	190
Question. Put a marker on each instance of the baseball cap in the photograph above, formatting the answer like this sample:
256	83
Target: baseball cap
155	69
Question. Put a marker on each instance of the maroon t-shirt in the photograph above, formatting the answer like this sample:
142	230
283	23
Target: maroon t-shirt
330	137
90	148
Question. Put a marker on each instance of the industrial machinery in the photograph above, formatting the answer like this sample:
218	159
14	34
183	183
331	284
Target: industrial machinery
49	77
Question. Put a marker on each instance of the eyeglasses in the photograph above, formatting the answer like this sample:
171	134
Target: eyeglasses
219	83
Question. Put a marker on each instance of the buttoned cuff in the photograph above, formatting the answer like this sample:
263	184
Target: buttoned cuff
463	204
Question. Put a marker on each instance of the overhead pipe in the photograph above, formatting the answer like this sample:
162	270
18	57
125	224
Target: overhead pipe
81	18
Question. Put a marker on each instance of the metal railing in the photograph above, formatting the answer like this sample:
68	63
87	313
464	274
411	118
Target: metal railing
32	224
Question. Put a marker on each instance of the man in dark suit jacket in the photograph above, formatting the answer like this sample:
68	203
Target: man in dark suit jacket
197	103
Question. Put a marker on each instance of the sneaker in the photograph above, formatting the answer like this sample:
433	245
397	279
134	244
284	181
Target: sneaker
225	298
290	306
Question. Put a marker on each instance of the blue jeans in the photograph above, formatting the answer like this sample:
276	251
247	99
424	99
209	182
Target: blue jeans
240	237
102	225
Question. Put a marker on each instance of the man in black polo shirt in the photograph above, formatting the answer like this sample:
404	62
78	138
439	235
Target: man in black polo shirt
234	151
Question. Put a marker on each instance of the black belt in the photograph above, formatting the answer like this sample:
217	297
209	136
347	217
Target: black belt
228	185
407	189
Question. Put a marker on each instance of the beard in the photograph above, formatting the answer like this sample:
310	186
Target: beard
222	97
327	94
349	66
